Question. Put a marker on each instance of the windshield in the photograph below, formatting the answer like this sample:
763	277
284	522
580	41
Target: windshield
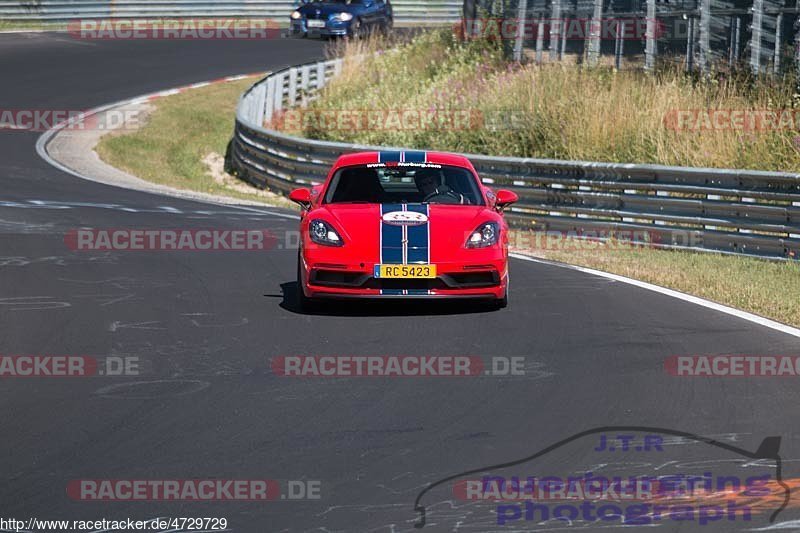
427	183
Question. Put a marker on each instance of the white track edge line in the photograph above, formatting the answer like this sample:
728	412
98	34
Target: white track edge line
750	317
41	149
46	137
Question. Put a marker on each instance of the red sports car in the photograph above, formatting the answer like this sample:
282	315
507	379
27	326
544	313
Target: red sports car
402	225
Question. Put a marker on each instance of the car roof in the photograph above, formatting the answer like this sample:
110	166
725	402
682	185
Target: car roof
406	156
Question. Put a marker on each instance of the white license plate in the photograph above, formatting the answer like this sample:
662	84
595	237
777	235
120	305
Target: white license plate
316	23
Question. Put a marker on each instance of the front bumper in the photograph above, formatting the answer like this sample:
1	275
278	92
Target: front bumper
333	28
484	279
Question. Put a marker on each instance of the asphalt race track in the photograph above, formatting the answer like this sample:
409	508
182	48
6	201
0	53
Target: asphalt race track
204	326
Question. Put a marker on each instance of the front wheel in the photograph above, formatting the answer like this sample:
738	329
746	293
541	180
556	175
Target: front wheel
387	26
502	303
304	303
356	29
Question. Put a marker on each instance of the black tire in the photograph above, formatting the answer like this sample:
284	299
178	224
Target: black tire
229	167
387	27
304	303
502	303
357	29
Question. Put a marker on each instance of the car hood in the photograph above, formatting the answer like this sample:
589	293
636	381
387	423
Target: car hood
327	8
444	234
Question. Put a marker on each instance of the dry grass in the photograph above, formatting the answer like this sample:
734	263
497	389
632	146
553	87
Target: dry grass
554	111
767	288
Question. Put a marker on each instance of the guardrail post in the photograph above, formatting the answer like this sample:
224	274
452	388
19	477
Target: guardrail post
539	40
705	35
690	39
305	81
277	102
755	32
292	86
519	41
258	104
776	58
555	29
595	27
797	48
320	75
736	35
269	101
651	45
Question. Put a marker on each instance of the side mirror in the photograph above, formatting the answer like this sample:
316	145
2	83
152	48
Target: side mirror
301	197
505	198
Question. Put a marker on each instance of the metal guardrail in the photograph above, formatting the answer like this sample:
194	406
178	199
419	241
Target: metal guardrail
406	11
735	211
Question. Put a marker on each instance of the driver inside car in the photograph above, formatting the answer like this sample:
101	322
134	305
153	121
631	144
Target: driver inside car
429	183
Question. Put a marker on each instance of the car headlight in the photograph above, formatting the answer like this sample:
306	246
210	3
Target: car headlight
322	233
344	17
296	15
485	235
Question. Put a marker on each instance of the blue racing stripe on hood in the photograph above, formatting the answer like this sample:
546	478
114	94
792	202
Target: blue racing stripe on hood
390	157
415	157
419	237
391	238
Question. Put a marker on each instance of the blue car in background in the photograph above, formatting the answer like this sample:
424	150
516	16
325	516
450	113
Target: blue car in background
351	18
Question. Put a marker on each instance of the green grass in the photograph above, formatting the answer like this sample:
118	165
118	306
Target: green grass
767	288
169	149
9	25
